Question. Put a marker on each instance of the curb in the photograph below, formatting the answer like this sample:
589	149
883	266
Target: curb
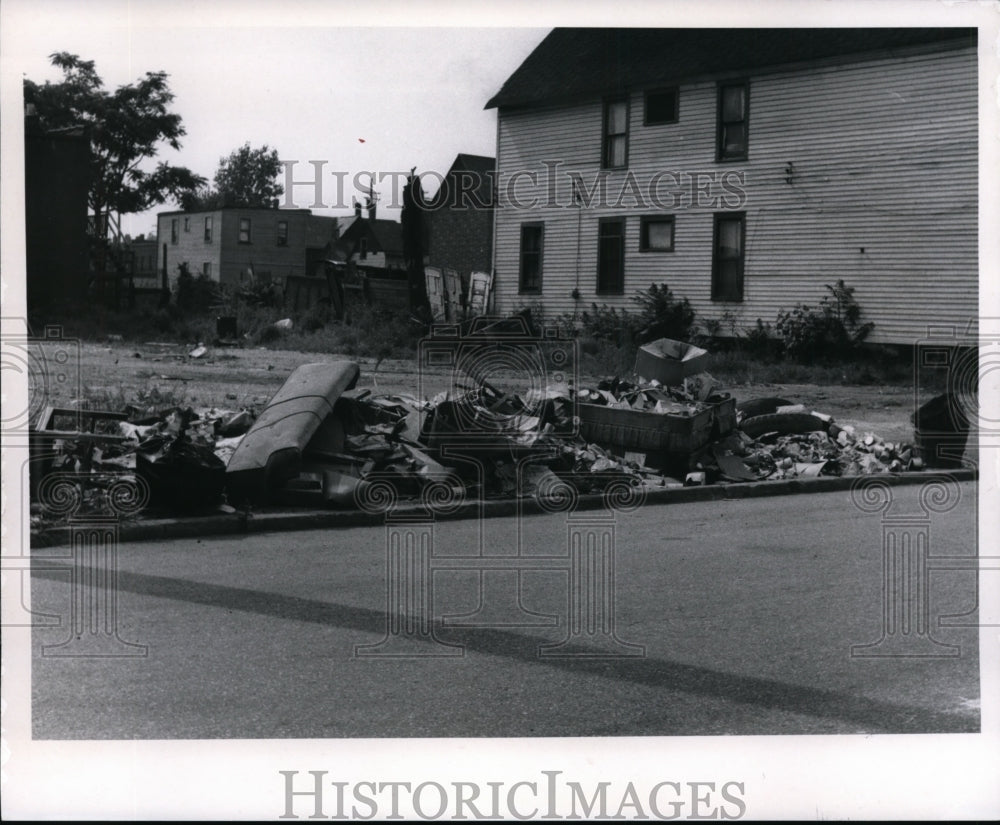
285	520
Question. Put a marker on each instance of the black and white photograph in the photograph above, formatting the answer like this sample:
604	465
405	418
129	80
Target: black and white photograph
413	411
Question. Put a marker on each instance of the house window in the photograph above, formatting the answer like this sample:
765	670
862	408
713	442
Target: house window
244	230
187	224
611	256
657	234
206	269
208	229
615	149
282	233
661	107
173	230
363	248
733	111
727	257
530	279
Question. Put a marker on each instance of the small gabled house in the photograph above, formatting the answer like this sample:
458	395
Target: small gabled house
373	243
744	168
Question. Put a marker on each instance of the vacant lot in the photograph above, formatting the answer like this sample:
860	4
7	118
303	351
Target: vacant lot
118	373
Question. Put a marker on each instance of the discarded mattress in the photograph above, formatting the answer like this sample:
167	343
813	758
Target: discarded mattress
271	452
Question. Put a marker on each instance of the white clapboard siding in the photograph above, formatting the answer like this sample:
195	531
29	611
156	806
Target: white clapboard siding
883	194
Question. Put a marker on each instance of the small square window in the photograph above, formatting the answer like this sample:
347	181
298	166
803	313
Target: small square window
661	107
657	234
244	236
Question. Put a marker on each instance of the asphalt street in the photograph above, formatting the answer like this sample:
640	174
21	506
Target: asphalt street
731	617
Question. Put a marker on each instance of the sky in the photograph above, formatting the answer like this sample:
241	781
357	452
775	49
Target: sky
361	98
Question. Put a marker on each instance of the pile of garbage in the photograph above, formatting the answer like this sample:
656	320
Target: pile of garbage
320	440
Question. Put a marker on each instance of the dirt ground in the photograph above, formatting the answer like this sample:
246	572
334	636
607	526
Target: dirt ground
237	377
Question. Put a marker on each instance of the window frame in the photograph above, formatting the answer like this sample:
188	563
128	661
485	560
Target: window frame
605	136
206	269
537	288
645	221
209	229
675	91
718	294
239	231
281	238
620	288
720	124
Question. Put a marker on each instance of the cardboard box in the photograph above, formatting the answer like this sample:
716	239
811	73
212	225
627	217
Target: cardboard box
669	361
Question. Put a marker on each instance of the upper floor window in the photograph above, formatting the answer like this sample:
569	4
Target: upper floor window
734	100
244	235
174	226
282	233
208	229
530	278
661	107
614	154
187	224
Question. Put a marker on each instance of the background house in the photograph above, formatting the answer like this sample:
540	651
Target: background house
373	243
235	245
460	216
56	185
746	169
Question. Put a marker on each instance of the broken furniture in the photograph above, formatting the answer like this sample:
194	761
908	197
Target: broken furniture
271	451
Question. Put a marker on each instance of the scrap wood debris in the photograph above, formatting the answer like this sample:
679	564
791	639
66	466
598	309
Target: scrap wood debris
495	444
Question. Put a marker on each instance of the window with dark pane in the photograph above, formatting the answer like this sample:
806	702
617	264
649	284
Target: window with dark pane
661	107
611	256
728	257
531	257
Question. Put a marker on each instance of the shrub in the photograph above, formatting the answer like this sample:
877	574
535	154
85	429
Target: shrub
833	329
195	294
662	315
606	323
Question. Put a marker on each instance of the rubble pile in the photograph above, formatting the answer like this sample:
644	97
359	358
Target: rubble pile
320	441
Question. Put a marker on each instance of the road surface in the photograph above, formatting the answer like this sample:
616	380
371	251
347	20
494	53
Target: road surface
734	617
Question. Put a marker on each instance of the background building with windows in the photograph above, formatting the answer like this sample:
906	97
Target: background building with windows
744	168
235	245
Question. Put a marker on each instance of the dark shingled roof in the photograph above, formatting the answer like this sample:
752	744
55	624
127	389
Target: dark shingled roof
574	64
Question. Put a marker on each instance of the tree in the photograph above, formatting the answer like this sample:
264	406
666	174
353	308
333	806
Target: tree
126	127
248	177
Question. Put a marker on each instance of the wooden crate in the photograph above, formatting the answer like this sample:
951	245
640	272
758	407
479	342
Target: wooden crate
636	430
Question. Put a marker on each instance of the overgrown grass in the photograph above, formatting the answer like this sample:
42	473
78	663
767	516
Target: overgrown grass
365	330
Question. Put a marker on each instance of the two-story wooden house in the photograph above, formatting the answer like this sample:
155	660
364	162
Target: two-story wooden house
744	168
